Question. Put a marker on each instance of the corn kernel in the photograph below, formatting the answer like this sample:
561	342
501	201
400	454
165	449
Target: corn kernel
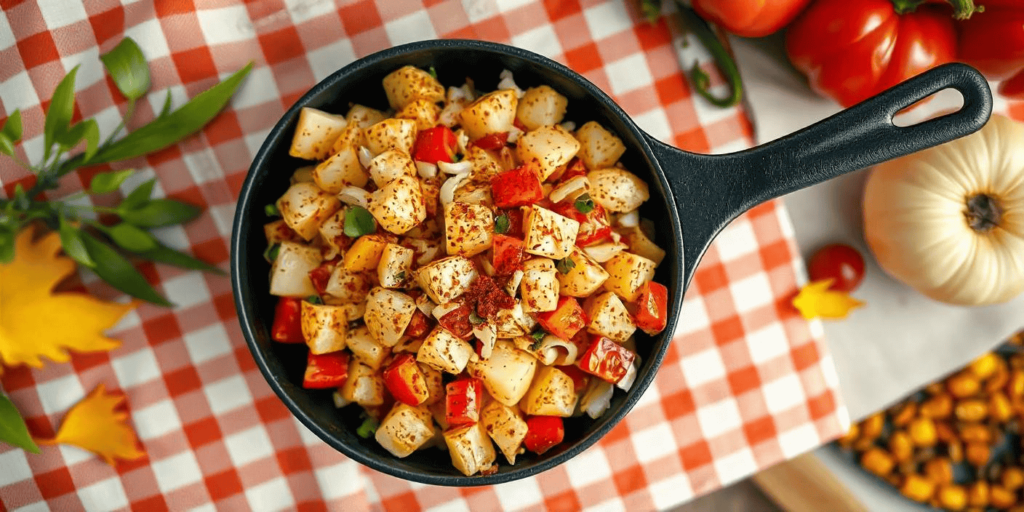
963	385
939	470
955	450
999	407
952	497
975	433
1015	386
851	435
985	365
922	431
1001	497
973	409
871	428
999	378
901	446
904	414
917	488
1012	478
877	461
977	454
977	494
937	407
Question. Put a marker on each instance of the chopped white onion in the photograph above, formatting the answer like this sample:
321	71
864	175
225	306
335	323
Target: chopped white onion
448	187
513	134
426	170
365	156
425	305
603	253
460	94
597	398
487	333
629	219
463	139
513	283
456	167
449	116
508	82
569	126
616	237
570	189
355	196
626	381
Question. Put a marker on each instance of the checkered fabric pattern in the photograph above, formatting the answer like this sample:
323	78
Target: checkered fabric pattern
747	383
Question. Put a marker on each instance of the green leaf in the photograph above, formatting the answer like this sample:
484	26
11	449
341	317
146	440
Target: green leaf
158	213
651	9
138	197
88	130
71	240
270	253
359	222
433	72
6	244
501	224
58	115
271	210
538	337
177	125
132	238
12	126
314	299
6	145
115	269
167	105
13	430
164	254
127	66
107	182
565	265
21	200
584	204
367	429
475	319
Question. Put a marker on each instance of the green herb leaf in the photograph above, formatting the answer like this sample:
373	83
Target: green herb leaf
538	338
6	145
115	269
651	9
159	212
132	238
167	105
565	265
58	115
127	66
271	210
457	158
367	429
106	182
88	130
12	126
501	224
164	254
13	430
584	204
270	253
71	241
6	244
167	130
21	199
359	222
401	276
433	72
138	197
314	299
475	319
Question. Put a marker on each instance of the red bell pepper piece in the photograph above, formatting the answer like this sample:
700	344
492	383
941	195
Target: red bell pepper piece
435	145
515	222
492	141
405	381
566	320
594	226
652	308
463	401
457	322
519	124
575	168
418	325
580	379
542	433
606	359
326	370
509	254
320	276
516	187
287	326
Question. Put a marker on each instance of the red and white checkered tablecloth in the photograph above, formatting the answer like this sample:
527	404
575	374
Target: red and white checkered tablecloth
747	382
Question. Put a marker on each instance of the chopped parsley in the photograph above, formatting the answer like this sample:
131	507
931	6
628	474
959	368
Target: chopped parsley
433	72
314	299
367	429
457	158
271	210
475	319
270	254
359	222
584	204
401	276
538	338
565	265
501	224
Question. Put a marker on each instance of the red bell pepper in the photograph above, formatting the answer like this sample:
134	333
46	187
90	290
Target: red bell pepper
326	370
405	381
320	276
457	322
580	379
606	359
542	433
993	42
749	18
854	49
515	222
575	168
594	225
492	141
651	307
418	326
287	327
437	144
509	254
566	320
516	187
463	401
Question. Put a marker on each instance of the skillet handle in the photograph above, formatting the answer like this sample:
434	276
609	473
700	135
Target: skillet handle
713	190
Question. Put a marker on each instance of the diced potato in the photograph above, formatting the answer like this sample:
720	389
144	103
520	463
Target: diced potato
549	234
351	137
617	190
446	279
364	117
389	165
468	228
512	286
546	148
493	112
302	174
485	164
470	448
584	278
289	275
407	344
435	384
627	273
507	374
347	287
332	232
405	429
395	265
609	317
304	207
444	352
365	349
278	231
409	83
487	334
541	106
364	255
363	386
315	132
341	170
539	288
323	327
388	314
551	350
506	427
353	310
599	148
399	206
391	133
552	393
640	245
505	323
423	112
425	251
602	253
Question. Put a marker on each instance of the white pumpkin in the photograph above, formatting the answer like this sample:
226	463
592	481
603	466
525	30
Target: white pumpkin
949	221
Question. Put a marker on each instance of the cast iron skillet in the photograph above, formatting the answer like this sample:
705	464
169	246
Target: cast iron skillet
690	193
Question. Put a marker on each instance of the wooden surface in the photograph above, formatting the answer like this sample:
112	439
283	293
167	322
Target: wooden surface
805	484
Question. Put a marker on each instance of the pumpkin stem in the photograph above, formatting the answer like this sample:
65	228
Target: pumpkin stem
962	9
983	213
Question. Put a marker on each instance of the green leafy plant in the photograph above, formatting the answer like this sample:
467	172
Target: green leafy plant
103	246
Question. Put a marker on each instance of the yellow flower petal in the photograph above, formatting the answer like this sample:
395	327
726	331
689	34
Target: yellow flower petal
815	300
95	424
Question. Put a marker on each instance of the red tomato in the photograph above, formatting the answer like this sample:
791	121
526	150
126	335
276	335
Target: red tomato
287	327
418	325
463	401
854	49
993	42
435	145
566	320
320	276
574	169
457	322
606	359
492	141
652	308
542	433
508	254
594	226
405	381
516	187
749	18
839	262
326	370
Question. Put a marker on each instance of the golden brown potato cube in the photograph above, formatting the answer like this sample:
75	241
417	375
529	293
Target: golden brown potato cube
409	83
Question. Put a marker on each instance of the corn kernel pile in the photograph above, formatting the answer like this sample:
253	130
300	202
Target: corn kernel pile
957	444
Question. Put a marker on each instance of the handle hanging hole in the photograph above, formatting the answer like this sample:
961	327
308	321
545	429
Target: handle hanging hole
946	101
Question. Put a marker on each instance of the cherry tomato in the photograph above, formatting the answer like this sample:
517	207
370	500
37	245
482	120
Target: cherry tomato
839	262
